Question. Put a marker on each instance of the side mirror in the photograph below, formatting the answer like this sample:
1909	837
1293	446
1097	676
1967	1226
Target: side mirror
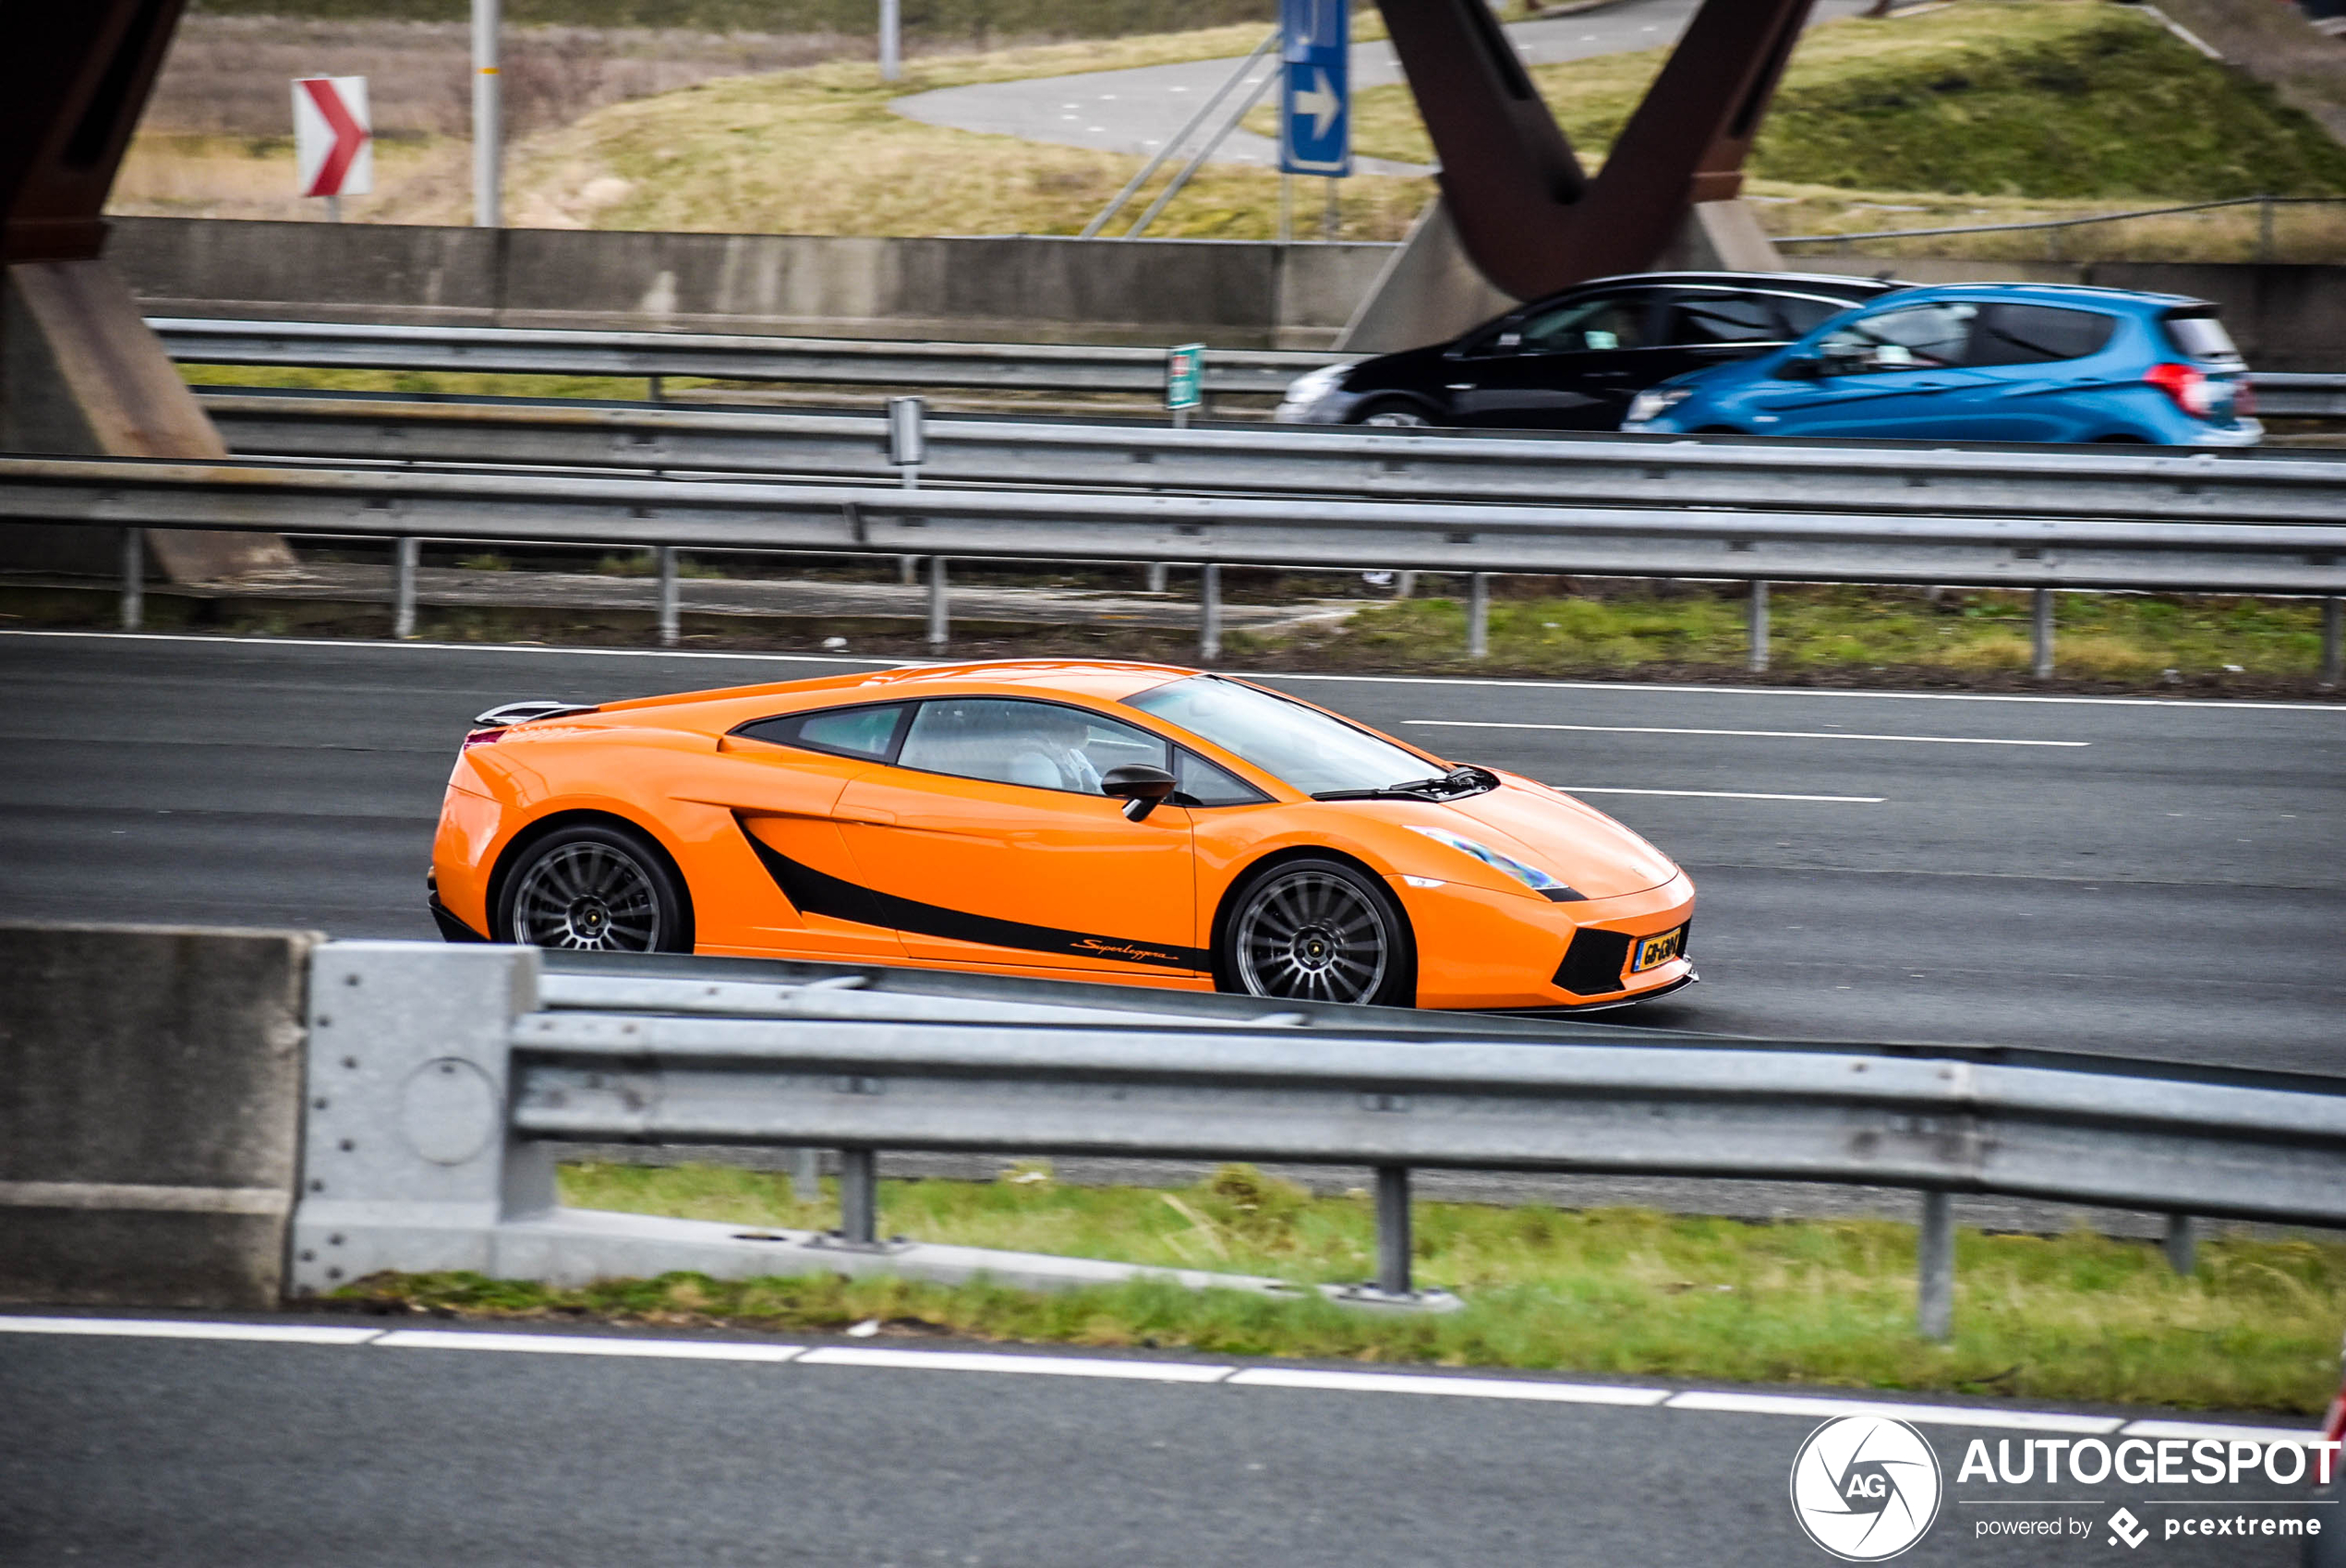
1141	788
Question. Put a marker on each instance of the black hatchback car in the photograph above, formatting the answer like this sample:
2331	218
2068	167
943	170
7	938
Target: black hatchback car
1573	360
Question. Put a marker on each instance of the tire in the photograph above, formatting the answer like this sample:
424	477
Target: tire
1315	929
1394	412
598	886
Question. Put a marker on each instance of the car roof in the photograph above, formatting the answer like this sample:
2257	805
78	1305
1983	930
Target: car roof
1757	282
1104	680
2058	294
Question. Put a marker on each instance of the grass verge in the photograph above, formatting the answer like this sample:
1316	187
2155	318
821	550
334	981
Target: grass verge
1623	1293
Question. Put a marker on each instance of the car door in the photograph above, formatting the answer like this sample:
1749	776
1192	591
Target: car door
1705	327
2032	364
1893	373
1571	366
782	778
988	842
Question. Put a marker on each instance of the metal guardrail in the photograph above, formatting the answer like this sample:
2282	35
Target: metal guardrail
824	361
1635	471
731	358
444	1079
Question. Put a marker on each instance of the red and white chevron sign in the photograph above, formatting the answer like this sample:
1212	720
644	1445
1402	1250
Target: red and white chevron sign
332	145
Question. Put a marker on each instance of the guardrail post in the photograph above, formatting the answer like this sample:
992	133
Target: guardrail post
2181	1244
940	624
666	556
134	579
2041	633
805	1175
2264	228
403	587
2333	636
1405	584
1478	614
1393	1229
1156	576
1935	1268
1209	612
858	1197
908	569
1757	621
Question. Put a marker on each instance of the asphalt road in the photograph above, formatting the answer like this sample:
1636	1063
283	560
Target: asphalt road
2156	878
1136	111
199	1453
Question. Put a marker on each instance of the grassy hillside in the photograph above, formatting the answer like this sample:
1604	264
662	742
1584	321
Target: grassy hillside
954	19
2015	98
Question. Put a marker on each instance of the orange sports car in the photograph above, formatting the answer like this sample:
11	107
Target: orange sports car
1132	823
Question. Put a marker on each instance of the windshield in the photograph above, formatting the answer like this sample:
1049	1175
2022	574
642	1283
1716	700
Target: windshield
1300	746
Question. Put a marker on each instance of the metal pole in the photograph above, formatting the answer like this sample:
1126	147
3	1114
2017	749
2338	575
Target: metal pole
1209	612
1287	207
2183	1245
891	42
1172	145
403	587
1156	578
656	387
1935	1268
1174	189
908	569
1332	219
666	554
2041	633
940	626
134	578
1758	662
2333	634
1479	615
2264	228
333	209
1393	1229
1405	584
806	1176
858	1197
489	130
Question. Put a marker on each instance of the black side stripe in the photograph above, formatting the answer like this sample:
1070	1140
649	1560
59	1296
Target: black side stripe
817	892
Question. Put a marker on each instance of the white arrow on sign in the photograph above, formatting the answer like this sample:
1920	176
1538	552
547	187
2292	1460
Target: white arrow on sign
333	149
1320	102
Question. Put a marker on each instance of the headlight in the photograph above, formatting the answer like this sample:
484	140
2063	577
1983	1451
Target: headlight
1531	876
1313	385
1654	401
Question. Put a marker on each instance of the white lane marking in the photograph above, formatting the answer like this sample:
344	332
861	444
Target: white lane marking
154	1328
1722	794
1049	1366
1466	1388
589	1344
1450	681
1934	1415
1759	734
2197	1430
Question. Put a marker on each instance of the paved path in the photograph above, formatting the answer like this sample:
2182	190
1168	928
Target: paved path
2150	877
189	1453
1136	111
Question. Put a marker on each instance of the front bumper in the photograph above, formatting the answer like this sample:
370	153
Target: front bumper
1328	408
1484	950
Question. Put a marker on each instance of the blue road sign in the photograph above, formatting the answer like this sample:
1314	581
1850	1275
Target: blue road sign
1315	124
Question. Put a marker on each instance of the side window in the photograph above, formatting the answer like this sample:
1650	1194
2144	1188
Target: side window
1007	740
1917	337
845	731
1201	783
1803	315
1608	321
1724	318
2037	334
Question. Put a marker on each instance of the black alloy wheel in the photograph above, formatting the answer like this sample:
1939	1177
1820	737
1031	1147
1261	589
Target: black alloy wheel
1317	931
1394	412
601	888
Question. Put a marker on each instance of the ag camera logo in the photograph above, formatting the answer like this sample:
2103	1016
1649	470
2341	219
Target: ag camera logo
1865	1487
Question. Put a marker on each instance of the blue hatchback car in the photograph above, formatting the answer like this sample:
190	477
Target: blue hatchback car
1983	362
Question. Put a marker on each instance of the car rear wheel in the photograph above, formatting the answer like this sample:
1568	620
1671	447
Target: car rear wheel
597	886
1395	414
1317	930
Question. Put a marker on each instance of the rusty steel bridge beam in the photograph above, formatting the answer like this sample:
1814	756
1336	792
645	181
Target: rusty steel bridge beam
1530	218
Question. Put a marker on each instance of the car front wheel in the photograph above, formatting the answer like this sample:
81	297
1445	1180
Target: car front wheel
1317	930
598	886
1392	413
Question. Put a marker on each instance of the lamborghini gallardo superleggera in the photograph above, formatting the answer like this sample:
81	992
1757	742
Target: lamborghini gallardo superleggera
1131	823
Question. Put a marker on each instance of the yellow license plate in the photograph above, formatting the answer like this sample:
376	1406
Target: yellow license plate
1654	950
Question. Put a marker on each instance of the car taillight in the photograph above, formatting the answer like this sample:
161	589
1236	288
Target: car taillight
2244	397
482	737
2193	393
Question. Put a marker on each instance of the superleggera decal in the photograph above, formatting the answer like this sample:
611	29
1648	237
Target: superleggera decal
817	892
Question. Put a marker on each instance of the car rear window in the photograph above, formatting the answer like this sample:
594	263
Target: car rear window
2202	337
1724	317
867	731
2036	334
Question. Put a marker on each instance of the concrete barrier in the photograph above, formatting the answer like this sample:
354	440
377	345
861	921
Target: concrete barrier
151	1084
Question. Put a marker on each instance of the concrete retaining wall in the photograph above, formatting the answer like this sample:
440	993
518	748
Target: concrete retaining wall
1040	289
150	1083
1035	290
